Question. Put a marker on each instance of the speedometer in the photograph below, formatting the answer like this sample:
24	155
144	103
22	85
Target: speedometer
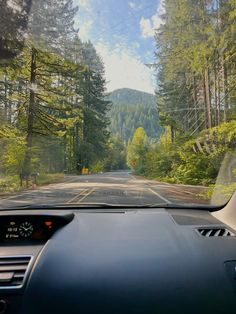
26	229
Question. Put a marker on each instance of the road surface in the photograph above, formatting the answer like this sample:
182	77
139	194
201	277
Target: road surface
111	187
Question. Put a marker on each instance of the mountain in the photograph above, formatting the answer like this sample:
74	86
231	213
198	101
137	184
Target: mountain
132	109
132	97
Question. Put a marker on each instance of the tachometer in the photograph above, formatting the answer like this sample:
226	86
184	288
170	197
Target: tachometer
26	229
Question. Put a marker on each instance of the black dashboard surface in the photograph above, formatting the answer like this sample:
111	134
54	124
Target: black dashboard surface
145	261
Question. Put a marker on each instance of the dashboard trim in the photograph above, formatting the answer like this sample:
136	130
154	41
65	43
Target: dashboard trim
26	272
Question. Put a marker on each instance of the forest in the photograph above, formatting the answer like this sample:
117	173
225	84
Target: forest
132	109
195	95
53	104
57	118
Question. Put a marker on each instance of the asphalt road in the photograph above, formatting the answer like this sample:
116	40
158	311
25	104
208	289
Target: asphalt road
111	187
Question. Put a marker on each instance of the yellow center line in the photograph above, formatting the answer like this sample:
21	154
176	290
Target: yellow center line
87	194
77	196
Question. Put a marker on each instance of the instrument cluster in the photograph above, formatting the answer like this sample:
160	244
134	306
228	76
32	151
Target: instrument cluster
25	228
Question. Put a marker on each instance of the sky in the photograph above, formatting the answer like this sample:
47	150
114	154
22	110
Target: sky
122	32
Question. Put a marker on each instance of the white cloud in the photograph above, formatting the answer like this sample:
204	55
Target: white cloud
161	7
135	6
84	30
156	21
146	28
149	25
131	5
124	69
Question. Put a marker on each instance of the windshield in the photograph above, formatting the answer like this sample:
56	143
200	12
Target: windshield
117	102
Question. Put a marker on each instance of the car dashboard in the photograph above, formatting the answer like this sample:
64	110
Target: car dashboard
121	261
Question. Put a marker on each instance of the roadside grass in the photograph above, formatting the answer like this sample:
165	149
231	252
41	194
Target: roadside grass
226	190
174	180
205	195
11	184
160	179
47	178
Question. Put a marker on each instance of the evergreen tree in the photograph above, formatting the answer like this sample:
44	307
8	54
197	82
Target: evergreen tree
194	64
13	26
92	88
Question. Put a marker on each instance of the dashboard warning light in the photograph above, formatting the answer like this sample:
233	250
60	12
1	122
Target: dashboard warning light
48	224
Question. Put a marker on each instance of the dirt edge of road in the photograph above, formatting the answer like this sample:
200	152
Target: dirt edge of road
33	187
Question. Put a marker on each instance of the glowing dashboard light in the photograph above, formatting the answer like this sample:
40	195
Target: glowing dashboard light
48	224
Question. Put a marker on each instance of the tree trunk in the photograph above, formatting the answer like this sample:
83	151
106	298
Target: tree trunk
218	94
5	100
31	99
85	125
30	121
226	106
195	102
65	153
216	104
77	146
9	111
172	131
207	98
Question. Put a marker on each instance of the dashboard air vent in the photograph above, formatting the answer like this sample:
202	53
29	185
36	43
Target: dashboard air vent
215	232
13	270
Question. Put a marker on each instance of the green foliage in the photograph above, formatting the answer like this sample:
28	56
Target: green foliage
132	109
9	184
12	183
194	169
225	190
131	97
97	167
195	58
53	105
46	178
136	151
115	158
13	147
193	161
159	164
13	156
195	68
116	155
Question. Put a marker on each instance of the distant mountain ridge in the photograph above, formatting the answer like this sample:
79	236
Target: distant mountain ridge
132	97
132	109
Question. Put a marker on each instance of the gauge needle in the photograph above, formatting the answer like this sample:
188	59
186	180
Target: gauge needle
26	229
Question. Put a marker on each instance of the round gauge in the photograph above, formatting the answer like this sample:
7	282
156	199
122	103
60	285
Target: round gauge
26	229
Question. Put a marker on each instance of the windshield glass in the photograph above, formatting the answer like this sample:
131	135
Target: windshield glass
117	102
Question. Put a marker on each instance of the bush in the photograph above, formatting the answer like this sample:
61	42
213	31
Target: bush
98	167
10	184
184	162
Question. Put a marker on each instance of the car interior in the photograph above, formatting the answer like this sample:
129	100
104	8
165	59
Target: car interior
125	260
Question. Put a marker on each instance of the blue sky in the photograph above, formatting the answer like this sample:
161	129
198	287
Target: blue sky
122	31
